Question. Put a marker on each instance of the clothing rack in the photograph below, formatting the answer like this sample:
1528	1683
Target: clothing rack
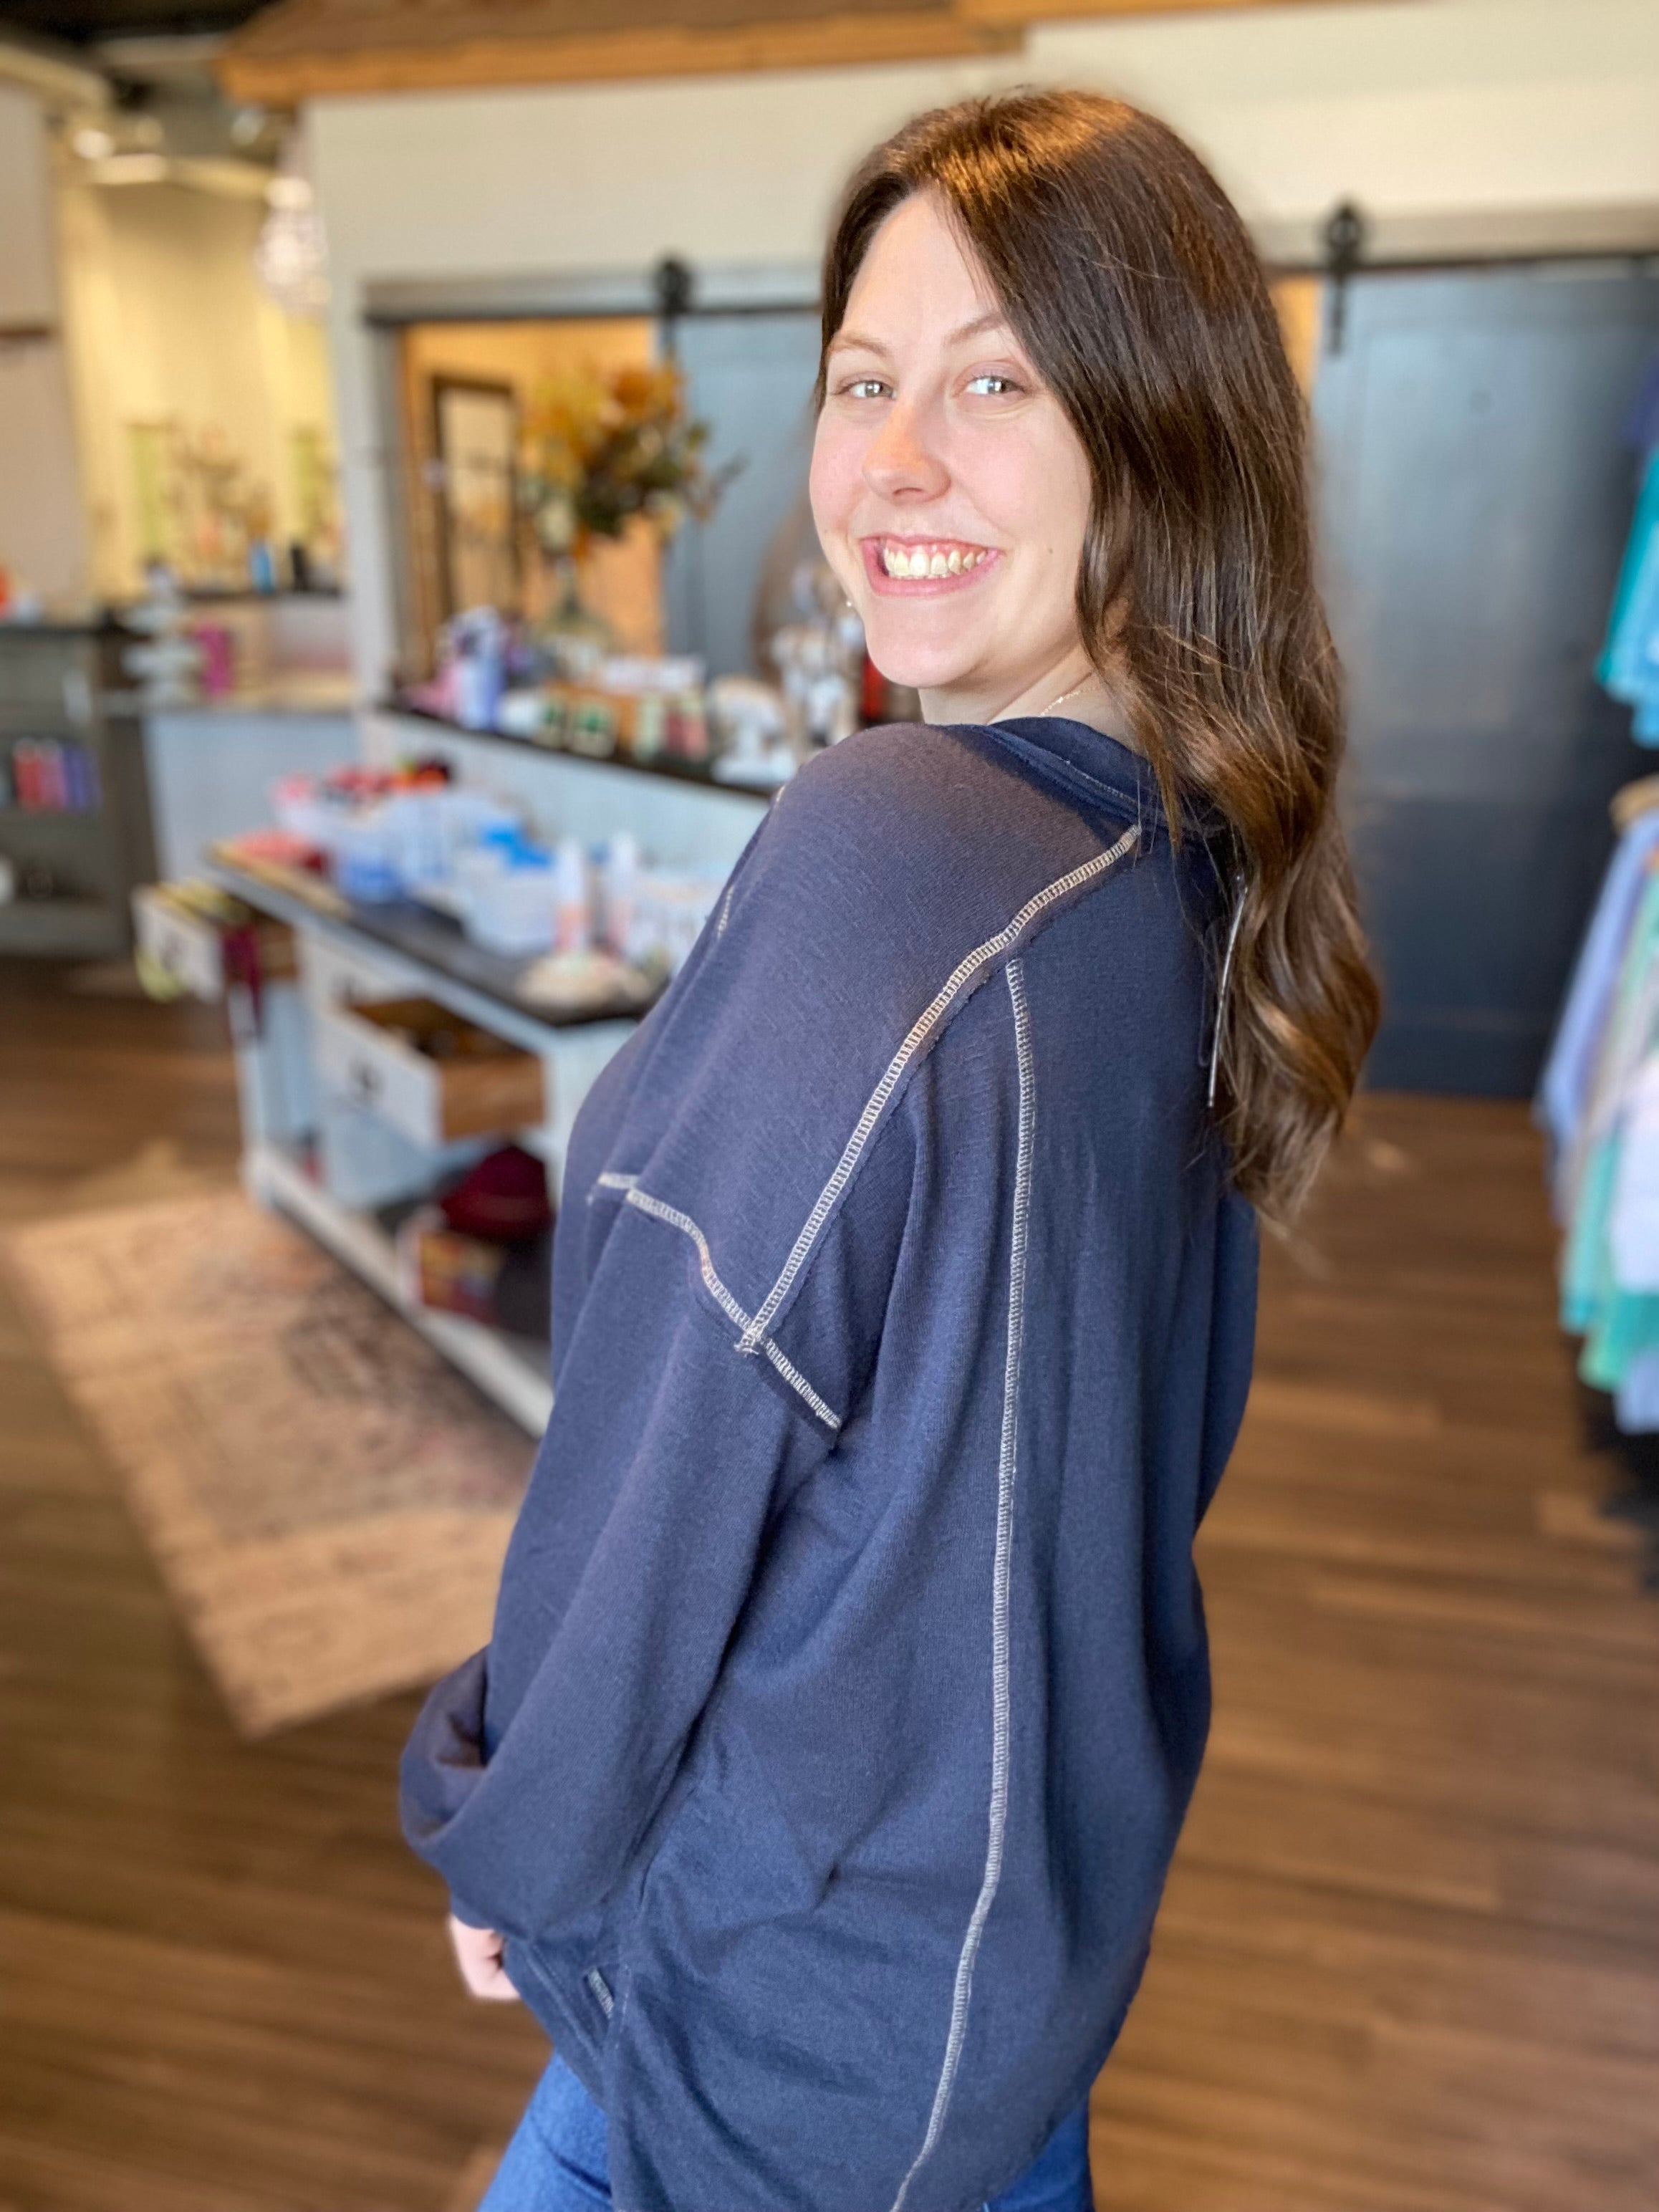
1598	1101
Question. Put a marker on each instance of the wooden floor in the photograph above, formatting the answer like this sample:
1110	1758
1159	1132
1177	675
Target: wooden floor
1409	1955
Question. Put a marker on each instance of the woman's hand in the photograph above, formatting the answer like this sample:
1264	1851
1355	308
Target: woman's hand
478	1954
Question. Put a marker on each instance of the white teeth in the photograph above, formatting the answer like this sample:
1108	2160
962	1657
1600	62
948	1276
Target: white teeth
924	562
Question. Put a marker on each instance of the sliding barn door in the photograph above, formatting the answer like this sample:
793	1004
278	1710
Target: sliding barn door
1474	497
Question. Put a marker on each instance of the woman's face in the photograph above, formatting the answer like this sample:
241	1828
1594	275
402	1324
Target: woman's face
950	491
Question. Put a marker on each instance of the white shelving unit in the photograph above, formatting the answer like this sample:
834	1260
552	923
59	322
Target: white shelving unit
294	1158
284	1101
514	1374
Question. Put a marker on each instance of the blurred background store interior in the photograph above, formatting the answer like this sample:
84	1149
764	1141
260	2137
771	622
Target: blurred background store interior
409	605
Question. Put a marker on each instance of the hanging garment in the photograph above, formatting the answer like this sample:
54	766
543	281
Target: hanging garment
1564	1087
1621	1353
1629	665
1641	424
1590	1158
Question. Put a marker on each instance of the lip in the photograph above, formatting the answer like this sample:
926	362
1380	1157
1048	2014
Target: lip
920	587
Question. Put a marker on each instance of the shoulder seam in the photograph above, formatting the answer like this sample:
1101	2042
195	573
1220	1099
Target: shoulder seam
966	972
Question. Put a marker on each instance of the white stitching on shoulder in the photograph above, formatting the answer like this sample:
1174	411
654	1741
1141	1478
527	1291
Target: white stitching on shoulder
1001	1703
660	1211
927	1023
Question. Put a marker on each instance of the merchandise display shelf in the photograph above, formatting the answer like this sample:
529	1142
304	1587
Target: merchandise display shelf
511	1370
325	1149
483	985
671	771
290	1103
59	691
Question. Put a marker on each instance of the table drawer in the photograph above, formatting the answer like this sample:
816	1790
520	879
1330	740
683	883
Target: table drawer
330	973
189	946
370	1053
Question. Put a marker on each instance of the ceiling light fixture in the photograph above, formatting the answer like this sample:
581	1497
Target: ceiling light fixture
291	257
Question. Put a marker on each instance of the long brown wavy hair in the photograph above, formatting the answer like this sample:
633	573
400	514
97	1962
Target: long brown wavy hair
1129	278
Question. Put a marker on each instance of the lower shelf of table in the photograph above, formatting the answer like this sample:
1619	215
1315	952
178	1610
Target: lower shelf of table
512	1373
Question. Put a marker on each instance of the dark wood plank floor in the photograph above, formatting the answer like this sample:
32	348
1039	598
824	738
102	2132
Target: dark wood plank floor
1409	1957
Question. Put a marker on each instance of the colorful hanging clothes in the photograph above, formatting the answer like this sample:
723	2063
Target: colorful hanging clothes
1629	665
1598	1099
1599	1102
1563	1091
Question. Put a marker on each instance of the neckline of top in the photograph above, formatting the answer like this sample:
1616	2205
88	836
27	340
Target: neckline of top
1099	769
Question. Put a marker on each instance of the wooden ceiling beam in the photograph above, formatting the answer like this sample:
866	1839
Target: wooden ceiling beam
1027	12
304	49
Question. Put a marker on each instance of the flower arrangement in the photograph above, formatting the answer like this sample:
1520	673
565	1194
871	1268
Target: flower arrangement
601	446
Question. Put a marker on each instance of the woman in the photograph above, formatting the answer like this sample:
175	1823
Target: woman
848	1680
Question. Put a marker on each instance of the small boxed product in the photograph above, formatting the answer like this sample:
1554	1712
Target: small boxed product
448	1271
484	1251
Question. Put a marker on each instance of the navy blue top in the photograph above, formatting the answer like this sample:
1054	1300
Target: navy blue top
848	1679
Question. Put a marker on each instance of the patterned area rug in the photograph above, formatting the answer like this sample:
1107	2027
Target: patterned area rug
328	1500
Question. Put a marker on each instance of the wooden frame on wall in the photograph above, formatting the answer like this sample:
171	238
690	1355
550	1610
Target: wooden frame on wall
476	537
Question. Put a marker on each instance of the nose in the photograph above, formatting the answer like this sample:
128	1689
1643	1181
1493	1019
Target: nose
901	460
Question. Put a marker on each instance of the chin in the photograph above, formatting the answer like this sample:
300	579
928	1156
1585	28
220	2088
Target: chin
920	664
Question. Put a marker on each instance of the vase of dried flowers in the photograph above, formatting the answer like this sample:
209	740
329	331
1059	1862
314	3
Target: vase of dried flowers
603	449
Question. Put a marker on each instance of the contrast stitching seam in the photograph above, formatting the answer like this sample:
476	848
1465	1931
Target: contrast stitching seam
793	1375
925	1023
1000	1703
660	1211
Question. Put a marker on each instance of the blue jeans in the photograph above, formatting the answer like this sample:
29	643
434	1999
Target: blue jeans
555	2161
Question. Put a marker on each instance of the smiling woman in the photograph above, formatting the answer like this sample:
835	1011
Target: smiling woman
950	492
1048	345
849	1679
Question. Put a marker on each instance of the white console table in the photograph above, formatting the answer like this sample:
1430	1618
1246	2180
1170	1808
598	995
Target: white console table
346	954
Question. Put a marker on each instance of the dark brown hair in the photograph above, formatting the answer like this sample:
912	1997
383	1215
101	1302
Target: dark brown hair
1129	278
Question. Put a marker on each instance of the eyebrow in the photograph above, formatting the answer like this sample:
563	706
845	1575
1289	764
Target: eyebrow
992	319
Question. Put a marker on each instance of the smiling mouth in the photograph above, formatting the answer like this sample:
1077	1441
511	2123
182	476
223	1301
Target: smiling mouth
927	560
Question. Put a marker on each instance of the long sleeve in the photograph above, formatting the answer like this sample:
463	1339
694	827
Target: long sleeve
543	1831
670	1452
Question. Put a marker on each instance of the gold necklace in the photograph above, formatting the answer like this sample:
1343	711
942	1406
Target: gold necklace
1079	686
1065	696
